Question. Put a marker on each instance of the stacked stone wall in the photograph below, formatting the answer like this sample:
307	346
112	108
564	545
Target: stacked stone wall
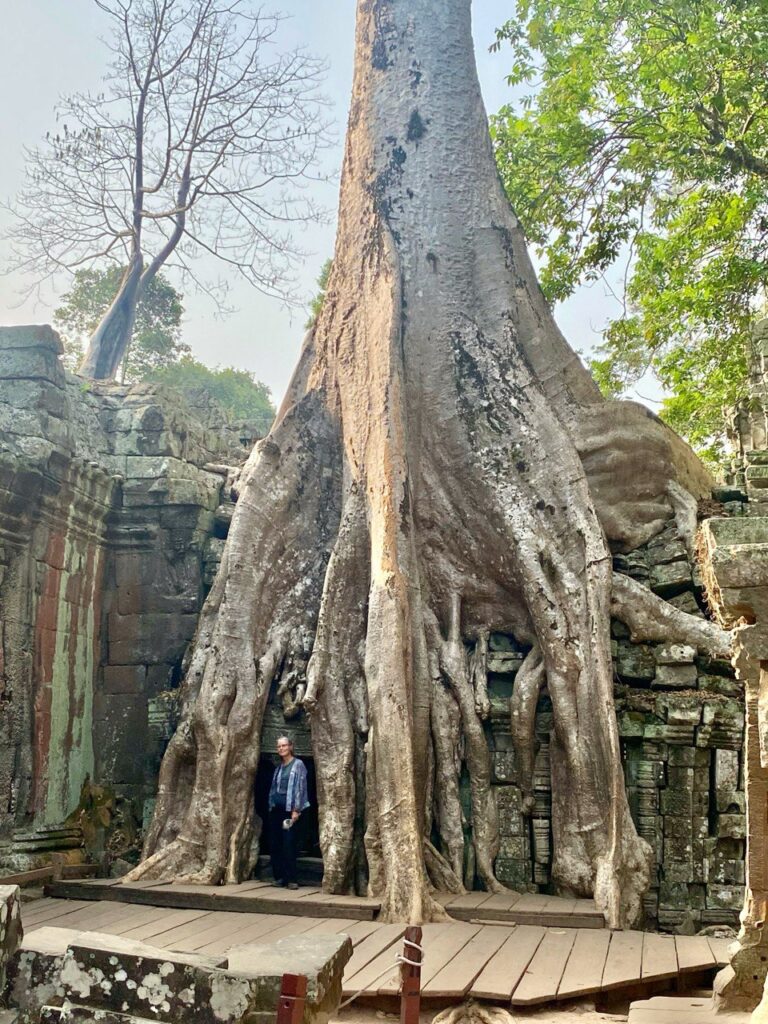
107	500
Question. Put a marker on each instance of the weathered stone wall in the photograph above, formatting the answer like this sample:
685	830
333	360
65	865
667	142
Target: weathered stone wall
105	510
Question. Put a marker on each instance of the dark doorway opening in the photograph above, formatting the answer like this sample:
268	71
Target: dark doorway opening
309	837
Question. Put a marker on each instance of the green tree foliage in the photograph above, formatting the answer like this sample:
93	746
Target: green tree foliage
246	399
317	302
156	337
645	138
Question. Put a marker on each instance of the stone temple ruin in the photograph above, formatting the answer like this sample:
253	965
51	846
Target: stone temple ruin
114	507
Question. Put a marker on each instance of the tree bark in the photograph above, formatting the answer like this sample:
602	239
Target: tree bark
110	341
429	480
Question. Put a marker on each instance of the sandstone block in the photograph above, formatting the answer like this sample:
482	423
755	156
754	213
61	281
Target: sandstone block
636	662
675	654
671	579
675	677
11	931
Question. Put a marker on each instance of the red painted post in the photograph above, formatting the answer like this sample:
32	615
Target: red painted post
290	1005
410	992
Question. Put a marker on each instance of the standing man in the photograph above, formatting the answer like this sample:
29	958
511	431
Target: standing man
287	799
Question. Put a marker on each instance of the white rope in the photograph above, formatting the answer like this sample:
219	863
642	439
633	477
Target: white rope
400	958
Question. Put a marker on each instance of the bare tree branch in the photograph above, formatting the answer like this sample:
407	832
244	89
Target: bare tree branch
194	147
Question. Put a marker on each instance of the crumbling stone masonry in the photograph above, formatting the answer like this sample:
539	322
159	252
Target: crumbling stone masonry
736	558
107	498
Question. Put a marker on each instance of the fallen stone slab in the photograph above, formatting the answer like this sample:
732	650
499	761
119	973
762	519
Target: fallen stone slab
320	958
120	976
34	973
11	930
72	1014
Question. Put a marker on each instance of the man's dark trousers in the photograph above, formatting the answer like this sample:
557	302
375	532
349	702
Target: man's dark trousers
283	845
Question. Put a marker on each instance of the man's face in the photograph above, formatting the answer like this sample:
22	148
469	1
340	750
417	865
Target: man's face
283	748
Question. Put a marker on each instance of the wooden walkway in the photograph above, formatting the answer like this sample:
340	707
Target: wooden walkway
521	965
264	898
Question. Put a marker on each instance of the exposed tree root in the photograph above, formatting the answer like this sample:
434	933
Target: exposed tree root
651	618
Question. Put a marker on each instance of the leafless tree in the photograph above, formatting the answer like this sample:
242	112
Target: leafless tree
197	146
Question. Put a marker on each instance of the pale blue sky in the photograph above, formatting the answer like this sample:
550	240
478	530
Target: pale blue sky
51	47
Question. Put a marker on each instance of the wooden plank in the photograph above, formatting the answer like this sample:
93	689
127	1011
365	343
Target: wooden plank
583	973
693	953
225	935
61	910
279	901
361	930
659	956
196	927
367	978
501	901
274	930
169	919
368	948
542	978
456	977
276	892
503	971
440	943
720	949
31	877
97	917
137	916
467	900
623	965
331	926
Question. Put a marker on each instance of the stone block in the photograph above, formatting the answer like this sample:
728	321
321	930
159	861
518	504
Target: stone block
504	766
677	803
675	677
124	679
670	579
514	847
721	685
680	778
670	550
686	602
731	826
517	874
725	897
675	654
35	972
320	958
636	662
730	801
504	662
11	931
682	757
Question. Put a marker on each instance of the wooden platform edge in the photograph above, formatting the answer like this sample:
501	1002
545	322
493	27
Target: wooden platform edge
475	915
162	897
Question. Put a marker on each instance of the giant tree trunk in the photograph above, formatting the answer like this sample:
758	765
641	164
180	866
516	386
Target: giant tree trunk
424	484
111	339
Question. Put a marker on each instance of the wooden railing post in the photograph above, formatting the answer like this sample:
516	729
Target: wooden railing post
293	993
410	992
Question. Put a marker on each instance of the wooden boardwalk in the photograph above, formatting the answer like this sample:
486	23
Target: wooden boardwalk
518	965
308	901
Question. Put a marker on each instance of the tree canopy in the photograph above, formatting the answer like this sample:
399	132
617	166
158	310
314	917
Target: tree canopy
157	328
244	397
192	148
644	137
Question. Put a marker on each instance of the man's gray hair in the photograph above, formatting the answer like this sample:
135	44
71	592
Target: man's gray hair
287	740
